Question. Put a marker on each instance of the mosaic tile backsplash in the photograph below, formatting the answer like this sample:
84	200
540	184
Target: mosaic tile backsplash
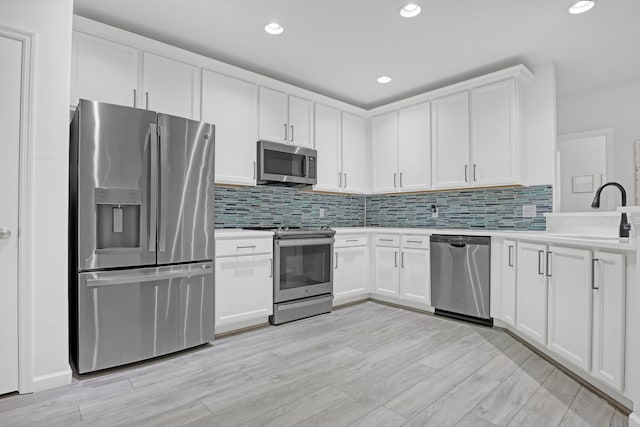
267	206
491	209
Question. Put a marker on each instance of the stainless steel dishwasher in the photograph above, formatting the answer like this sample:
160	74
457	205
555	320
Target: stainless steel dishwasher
460	277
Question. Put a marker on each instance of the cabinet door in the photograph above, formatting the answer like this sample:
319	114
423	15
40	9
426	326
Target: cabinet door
509	282
244	288
609	317
354	154
170	87
570	304
230	104
414	147
415	275
300	122
272	112
384	143
450	142
350	274
494	143
531	291
387	275
103	71
329	147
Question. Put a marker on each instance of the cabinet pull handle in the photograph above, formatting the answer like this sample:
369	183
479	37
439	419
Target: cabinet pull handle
255	170
336	266
414	241
135	96
395	175
291	133
466	173
510	256
146	98
548	264
540	262
593	274
396	258
345	180
339	179
474	172
402	259
246	247
386	240
270	267
400	179
351	240
285	132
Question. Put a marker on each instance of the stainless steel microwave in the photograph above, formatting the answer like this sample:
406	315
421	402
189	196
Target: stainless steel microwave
286	164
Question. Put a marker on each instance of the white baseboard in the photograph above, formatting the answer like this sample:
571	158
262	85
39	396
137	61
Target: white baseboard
338	301
242	324
57	379
634	419
402	302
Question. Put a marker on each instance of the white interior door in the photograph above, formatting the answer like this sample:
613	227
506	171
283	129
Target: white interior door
583	168
10	118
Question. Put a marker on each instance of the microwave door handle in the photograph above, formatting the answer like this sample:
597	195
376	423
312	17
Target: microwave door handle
153	197
164	165
305	166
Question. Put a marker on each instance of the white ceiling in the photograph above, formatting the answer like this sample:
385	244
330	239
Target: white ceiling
339	47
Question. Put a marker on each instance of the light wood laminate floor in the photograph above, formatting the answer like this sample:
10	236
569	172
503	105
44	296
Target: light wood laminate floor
364	365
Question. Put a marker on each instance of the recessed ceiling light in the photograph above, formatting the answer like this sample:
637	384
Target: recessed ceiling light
410	10
384	79
581	6
274	28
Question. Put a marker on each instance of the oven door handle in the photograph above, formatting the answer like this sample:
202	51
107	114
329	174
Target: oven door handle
304	242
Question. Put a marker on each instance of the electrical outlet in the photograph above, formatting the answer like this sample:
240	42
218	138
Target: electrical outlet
321	212
529	211
434	214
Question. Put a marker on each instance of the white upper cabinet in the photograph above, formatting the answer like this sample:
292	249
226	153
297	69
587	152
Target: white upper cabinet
170	87
355	177
384	143
494	137
570	304
450	122
231	105
285	118
329	145
300	122
103	71
273	115
414	148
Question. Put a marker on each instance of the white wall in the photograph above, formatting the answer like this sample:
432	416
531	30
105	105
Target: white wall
616	107
51	22
540	125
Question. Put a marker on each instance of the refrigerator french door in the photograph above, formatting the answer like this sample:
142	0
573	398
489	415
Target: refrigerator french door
141	234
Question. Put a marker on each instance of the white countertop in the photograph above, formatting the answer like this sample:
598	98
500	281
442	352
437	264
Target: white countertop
532	236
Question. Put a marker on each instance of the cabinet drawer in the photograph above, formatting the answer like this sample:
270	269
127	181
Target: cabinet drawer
238	247
417	242
387	240
350	241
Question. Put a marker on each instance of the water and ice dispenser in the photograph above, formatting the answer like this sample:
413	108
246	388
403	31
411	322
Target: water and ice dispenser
118	217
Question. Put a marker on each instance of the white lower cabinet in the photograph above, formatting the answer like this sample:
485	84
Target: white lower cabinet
609	318
531	291
244	289
387	271
509	282
403	268
570	304
350	273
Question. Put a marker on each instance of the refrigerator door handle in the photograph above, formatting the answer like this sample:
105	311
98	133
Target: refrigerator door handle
123	280
153	208
164	165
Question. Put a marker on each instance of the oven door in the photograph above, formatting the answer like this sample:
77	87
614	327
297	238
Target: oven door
302	268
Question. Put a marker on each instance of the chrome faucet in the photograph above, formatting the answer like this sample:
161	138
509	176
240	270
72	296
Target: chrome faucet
624	224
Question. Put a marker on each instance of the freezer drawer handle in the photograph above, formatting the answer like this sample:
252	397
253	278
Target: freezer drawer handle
92	283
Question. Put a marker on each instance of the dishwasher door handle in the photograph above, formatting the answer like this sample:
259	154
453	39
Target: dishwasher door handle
457	245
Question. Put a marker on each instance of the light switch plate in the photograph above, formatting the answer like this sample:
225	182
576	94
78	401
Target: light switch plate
434	214
321	212
529	211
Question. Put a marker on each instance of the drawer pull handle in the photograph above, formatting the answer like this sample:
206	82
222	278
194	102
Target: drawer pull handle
246	247
386	240
351	240
415	241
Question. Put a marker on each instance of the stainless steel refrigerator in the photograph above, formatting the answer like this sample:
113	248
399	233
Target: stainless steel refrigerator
141	235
